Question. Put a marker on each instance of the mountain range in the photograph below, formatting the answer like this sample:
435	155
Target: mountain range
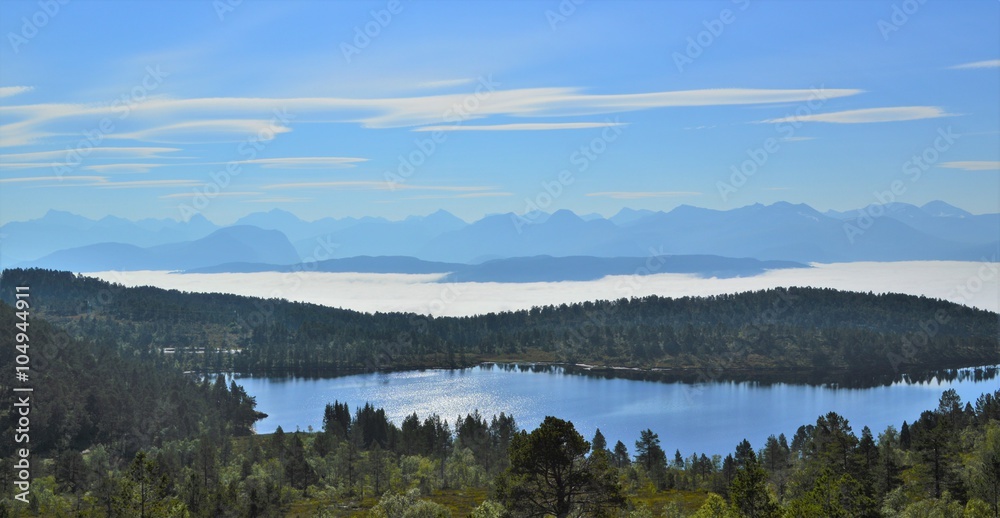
778	232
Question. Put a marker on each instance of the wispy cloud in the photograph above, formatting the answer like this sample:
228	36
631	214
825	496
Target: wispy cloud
528	126
214	130
635	195
973	165
373	185
458	196
103	182
868	115
24	165
142	184
306	162
93	153
279	199
212	119
8	91
54	179
122	168
797	139
197	194
445	83
990	63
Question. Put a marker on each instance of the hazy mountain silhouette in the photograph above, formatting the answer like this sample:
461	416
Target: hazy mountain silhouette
780	231
360	264
230	244
58	230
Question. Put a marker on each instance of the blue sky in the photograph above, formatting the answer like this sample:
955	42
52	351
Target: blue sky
166	109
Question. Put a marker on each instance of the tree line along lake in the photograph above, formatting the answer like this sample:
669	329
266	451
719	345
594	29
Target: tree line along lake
691	417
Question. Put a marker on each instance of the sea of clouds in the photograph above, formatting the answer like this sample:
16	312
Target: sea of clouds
971	283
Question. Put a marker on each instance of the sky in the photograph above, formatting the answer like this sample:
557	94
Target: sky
398	108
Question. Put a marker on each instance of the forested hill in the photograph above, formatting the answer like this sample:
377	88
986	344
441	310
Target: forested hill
87	393
796	334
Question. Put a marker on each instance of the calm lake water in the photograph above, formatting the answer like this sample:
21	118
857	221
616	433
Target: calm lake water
705	418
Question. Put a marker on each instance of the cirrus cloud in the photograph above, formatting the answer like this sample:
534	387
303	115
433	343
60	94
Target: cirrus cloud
528	126
305	162
635	195
990	63
869	115
973	165
8	91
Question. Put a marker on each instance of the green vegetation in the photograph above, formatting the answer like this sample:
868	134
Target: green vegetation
119	430
796	335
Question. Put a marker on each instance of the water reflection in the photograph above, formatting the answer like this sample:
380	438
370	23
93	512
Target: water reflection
832	379
704	417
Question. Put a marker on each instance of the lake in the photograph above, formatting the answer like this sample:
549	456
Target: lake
705	418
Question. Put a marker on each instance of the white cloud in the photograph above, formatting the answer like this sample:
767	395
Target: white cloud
305	162
214	130
57	179
192	120
635	195
141	184
445	83
990	63
24	165
376	186
491	194
279	199
411	293
973	165
198	194
92	153
867	115
8	91
797	139
122	168
527	126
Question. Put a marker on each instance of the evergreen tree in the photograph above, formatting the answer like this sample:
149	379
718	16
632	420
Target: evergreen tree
749	493
548	474
621	456
651	457
599	443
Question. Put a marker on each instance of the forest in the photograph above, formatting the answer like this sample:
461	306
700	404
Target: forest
121	428
796	334
946	463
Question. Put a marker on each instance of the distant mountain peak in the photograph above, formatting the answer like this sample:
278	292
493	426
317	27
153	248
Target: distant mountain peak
940	209
564	215
62	216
